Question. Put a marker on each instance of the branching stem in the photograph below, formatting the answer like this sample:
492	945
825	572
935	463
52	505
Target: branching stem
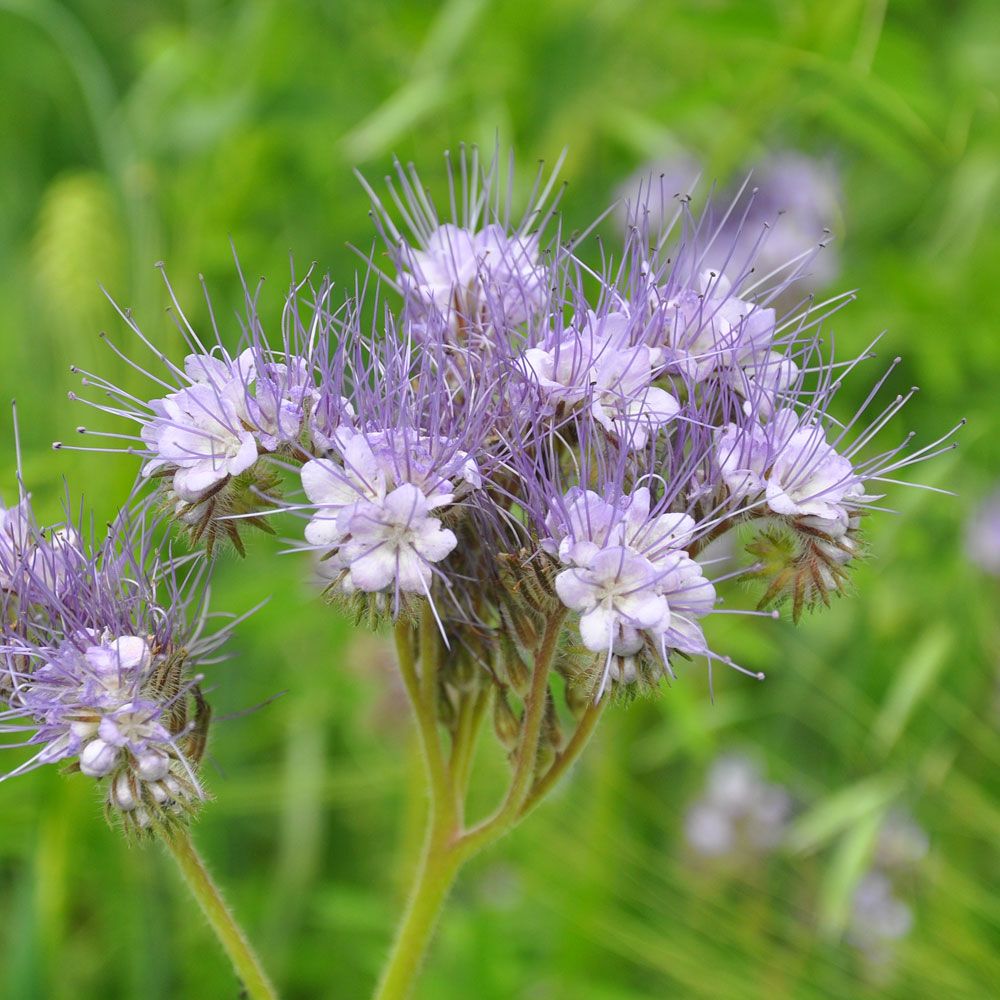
447	845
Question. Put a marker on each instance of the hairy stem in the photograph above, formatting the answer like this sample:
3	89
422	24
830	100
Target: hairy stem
251	973
526	754
424	713
438	867
565	757
447	847
470	717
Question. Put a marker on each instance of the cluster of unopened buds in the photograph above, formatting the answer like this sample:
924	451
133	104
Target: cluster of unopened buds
515	456
97	662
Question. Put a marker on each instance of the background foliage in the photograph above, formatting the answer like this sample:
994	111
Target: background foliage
145	132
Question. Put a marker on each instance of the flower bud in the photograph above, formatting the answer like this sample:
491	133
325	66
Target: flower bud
158	792
518	672
506	724
579	694
152	765
97	758
123	794
466	671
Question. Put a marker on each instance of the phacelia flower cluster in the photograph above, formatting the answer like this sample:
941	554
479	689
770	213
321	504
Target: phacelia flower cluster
97	659
511	429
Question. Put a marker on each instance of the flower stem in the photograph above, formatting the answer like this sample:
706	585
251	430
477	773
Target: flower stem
426	714
470	719
572	750
438	867
251	974
527	749
448	846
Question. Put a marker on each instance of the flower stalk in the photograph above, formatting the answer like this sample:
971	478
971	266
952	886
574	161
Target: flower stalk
448	845
248	968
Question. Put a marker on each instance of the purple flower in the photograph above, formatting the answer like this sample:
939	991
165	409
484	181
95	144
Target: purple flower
595	360
374	497
982	535
630	575
35	564
395	541
83	693
214	439
788	464
228	408
475	273
501	422
98	663
200	431
615	592
284	399
15	528
708	328
467	276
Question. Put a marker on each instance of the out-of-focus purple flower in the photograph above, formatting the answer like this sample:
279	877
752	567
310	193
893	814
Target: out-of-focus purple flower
982	535
877	916
902	842
739	811
782	206
800	196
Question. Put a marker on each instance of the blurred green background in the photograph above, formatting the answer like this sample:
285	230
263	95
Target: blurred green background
139	132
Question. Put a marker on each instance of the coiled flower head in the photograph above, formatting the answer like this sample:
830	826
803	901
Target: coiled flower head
99	671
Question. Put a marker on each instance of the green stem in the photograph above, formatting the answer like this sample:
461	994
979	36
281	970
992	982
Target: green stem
473	710
430	651
447	846
527	748
572	750
426	715
439	862
438	867
248	968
